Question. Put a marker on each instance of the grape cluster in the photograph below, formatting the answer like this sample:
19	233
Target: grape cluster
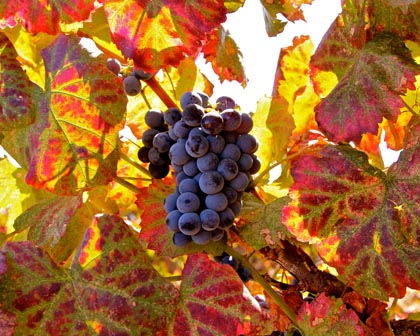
213	157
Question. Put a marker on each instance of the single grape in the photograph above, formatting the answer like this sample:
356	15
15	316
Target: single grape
231	151
188	185
158	171
231	119
132	85
209	161
192	114
256	165
157	158
211	182
141	74
196	146
236	207
147	137
180	177
172	220
170	202
209	219
113	65
204	98
172	134
154	118
216	202
212	123
143	154
162	142
197	131
189	223
231	194
246	124
188	202
190	97
247	143
178	154
190	168
240	182
226	218
197	177
217	143
224	102
228	169
245	162
244	273
181	129
177	168
180	239
217	234
230	136
172	115
231	261
202	237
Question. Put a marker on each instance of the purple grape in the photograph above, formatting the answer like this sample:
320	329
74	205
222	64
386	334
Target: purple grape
217	143
143	154
158	171
192	115
236	207
228	169
202	237
178	154
230	136
231	151
246	124
113	65
245	162
188	202
172	220
218	234
181	129
172	115
209	161
231	194
147	137
132	85
247	143
162	142
240	182
212	123
180	239
216	202
196	146
224	102
190	97
190	168
231	119
188	185
189	223
256	165
170	202
231	261
154	118
157	158
226	218
204	98
141	74
209	219
211	182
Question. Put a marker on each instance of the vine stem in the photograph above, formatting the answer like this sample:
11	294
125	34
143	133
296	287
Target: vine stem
160	92
127	184
127	159
259	278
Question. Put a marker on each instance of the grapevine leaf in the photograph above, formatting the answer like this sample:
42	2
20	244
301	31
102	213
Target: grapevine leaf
7	323
260	224
326	316
81	114
369	90
16	104
225	57
157	34
153	225
273	26
110	288
233	5
350	209
48	219
214	300
43	16
292	9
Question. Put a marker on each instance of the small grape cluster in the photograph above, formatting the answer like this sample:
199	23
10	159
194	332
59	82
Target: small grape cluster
212	155
242	271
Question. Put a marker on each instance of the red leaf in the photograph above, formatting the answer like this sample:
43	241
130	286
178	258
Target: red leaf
225	57
153	225
369	90
155	34
81	114
326	316
350	209
213	300
42	16
112	288
16	105
7	323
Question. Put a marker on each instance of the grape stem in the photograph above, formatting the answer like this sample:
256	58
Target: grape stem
260	279
127	184
161	93
134	164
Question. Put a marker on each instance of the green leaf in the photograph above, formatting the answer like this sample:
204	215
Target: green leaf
328	316
16	102
369	91
273	26
214	300
351	211
261	224
81	113
111	288
225	57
